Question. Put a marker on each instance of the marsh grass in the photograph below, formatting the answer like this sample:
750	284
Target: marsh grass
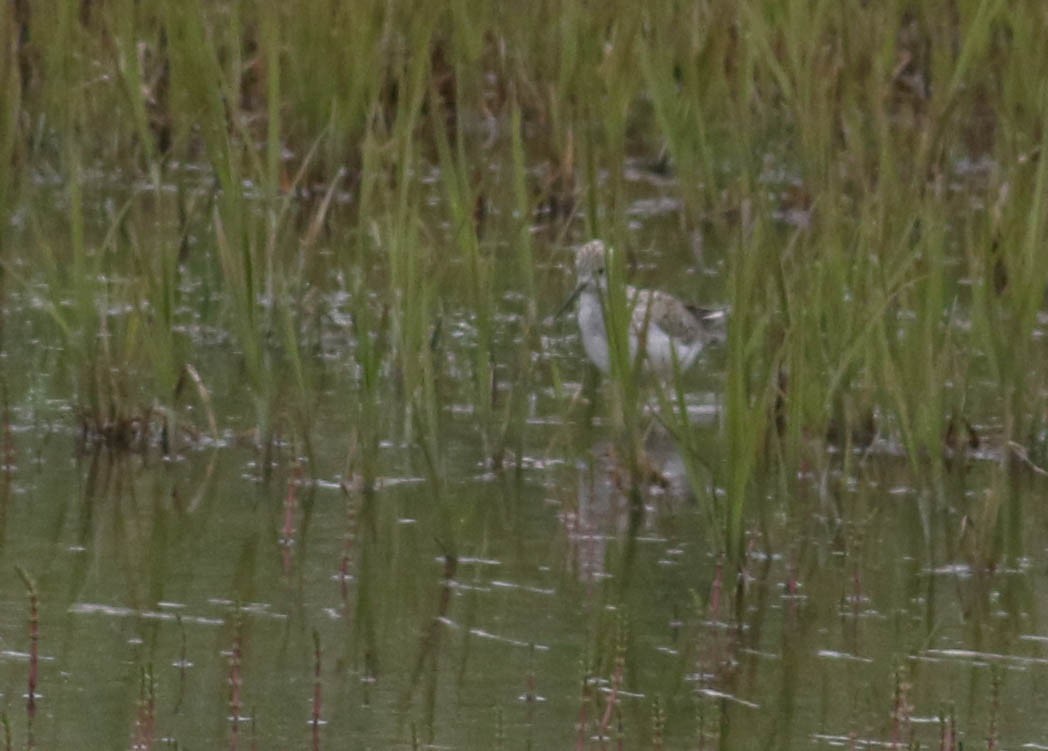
876	197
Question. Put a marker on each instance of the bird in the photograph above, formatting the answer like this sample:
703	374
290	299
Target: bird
671	333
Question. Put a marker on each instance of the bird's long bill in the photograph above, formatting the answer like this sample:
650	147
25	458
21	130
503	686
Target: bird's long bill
569	302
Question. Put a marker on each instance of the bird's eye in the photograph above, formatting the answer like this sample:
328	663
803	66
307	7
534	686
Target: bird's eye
600	271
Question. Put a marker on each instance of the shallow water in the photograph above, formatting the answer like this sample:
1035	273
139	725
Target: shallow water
189	597
554	579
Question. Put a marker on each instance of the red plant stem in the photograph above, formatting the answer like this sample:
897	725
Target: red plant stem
580	738
992	742
287	532
613	697
792	587
291	504
181	663
658	731
234	684
145	717
34	649
715	590
343	573
150	712
792	583
530	683
347	545
901	711
317	692
34	639
896	718
9	444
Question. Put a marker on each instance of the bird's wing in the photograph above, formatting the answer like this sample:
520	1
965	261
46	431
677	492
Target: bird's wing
711	315
652	307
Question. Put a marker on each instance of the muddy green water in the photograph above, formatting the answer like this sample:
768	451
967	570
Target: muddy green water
865	612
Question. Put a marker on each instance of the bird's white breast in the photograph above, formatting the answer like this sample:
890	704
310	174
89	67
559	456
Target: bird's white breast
591	329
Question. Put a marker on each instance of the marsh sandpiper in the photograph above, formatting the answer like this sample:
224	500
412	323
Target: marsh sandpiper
672	334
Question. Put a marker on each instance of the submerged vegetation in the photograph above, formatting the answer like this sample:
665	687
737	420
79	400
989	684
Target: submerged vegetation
391	189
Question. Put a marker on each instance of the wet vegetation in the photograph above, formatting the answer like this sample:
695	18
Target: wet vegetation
294	451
